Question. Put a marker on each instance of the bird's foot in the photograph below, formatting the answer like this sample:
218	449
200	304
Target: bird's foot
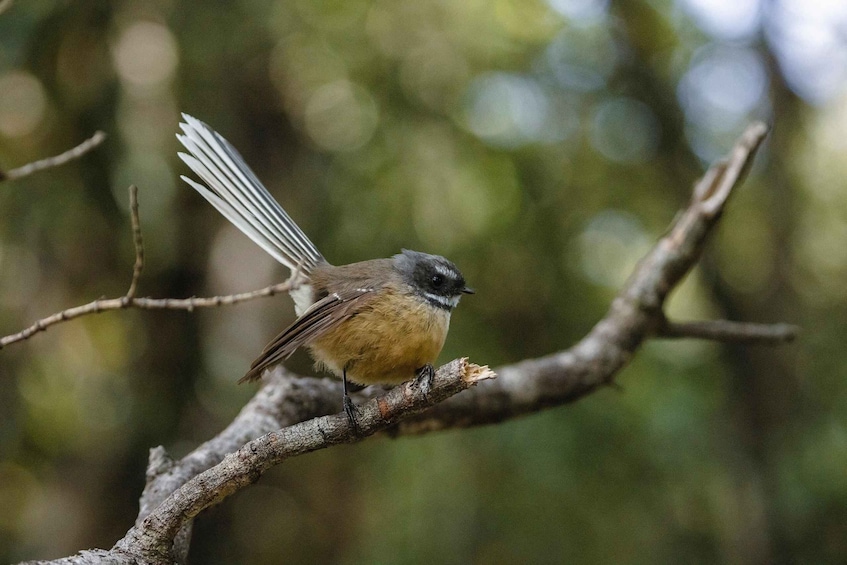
352	413
424	377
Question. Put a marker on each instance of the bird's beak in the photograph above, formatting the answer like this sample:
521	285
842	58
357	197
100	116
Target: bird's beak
468	290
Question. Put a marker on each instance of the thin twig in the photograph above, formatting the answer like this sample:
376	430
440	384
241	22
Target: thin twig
732	332
718	182
56	161
5	5
105	304
137	241
129	300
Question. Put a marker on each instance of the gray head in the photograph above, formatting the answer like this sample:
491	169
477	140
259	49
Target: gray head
433	278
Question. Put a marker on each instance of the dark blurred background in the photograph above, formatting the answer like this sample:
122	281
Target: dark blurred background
541	145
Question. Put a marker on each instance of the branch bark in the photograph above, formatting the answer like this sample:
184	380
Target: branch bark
731	332
177	491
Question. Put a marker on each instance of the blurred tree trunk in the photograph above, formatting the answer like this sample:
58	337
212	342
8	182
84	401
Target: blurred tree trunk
765	389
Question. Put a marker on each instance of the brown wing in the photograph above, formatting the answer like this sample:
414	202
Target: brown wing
320	317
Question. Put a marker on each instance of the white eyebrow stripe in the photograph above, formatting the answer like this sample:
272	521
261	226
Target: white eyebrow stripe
445	271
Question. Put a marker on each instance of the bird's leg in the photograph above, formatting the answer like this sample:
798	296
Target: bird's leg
349	408
423	378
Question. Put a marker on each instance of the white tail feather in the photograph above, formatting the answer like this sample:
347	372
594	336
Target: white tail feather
234	190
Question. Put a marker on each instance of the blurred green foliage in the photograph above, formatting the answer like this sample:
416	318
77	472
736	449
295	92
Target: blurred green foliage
543	146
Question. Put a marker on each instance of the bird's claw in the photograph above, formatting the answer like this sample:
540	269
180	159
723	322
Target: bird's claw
424	378
352	412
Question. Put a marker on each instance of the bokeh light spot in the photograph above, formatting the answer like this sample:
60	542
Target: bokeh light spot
625	130
726	19
581	11
341	116
526	20
808	39
582	60
434	73
145	54
610	246
507	110
299	65
722	87
22	103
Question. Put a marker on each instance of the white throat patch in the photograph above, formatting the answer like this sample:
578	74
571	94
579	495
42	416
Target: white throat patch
446	301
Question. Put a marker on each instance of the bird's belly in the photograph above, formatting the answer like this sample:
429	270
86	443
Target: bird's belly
385	343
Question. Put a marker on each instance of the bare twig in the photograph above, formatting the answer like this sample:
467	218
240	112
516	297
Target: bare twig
717	184
5	5
56	161
732	332
105	304
137	241
129	300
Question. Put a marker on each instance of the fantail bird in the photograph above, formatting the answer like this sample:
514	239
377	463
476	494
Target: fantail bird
381	321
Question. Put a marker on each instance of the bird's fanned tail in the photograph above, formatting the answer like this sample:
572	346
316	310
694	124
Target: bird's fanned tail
232	188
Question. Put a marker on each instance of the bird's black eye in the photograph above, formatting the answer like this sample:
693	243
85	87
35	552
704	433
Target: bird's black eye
437	280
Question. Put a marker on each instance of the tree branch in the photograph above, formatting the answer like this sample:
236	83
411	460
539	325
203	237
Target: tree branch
50	162
151	540
177	491
731	332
